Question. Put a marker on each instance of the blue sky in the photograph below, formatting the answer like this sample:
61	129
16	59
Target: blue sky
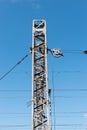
66	29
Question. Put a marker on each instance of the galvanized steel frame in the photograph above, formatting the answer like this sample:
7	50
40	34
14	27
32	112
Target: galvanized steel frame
40	110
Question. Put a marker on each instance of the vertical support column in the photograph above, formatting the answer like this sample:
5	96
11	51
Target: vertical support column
40	114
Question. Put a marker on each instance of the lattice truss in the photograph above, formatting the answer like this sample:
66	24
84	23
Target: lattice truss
39	77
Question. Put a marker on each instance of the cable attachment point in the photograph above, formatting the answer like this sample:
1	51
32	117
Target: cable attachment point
31	50
56	52
85	52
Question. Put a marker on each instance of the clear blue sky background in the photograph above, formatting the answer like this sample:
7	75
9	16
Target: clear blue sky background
66	29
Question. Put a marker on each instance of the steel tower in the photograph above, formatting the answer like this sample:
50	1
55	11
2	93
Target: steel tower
40	101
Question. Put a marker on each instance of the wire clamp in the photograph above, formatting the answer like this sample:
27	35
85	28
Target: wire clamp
56	52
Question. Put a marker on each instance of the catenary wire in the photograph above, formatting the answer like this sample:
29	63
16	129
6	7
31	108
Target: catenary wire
19	62
64	71
72	90
57	113
66	90
75	51
70	97
16	90
66	97
10	126
2	78
65	51
59	125
53	101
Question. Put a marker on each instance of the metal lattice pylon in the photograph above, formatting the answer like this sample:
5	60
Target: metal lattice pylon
40	103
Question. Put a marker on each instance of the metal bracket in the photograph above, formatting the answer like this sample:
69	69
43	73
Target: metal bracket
56	52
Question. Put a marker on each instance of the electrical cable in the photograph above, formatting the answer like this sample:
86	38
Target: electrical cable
19	62
65	90
75	51
59	125
19	90
64	71
71	112
72	125
75	90
24	97
70	97
69	116
9	126
57	112
14	113
15	97
53	101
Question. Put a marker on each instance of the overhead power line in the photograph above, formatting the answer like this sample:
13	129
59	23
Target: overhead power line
69	97
14	97
54	71
78	90
65	90
75	51
19	62
59	114
71	112
15	90
60	125
10	126
72	125
24	97
14	113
